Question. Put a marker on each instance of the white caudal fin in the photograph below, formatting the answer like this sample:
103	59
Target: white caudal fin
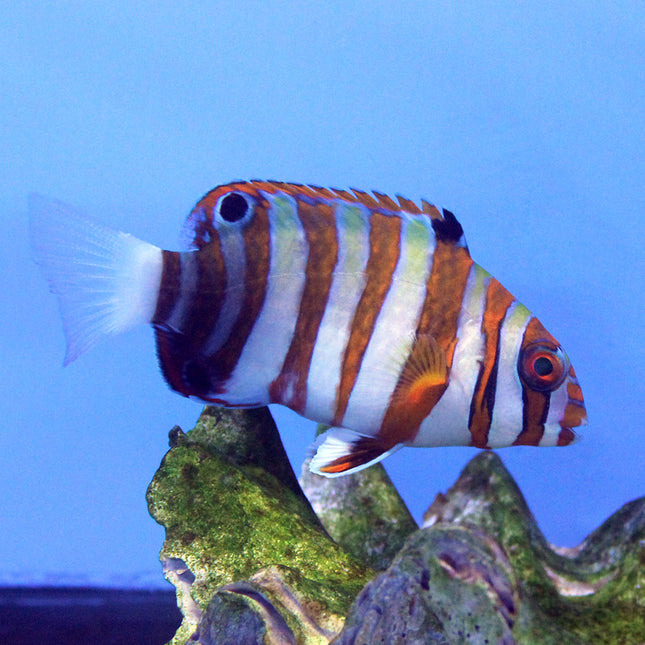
106	281
341	451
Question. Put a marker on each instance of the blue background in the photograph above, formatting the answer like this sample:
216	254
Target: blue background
524	118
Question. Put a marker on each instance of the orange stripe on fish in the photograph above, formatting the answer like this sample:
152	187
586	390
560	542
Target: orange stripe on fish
536	401
206	376
169	291
418	391
423	381
536	408
290	386
444	293
384	252
257	249
498	300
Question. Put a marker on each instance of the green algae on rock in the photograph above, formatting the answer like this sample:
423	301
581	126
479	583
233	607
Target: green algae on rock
593	594
233	511
480	571
252	563
447	585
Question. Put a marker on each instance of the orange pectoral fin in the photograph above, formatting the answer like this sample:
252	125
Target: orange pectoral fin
341	452
424	372
423	381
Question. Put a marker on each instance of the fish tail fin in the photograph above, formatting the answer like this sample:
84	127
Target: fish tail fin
341	451
106	281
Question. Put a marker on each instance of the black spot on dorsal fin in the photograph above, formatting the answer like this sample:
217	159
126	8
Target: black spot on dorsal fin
448	229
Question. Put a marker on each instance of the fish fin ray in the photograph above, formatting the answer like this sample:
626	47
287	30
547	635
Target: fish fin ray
425	370
106	281
341	451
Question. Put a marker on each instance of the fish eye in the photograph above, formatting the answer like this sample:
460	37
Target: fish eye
543	366
233	207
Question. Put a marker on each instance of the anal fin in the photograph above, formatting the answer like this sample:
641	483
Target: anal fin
341	451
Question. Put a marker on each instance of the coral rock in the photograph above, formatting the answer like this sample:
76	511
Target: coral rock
233	512
252	562
362	512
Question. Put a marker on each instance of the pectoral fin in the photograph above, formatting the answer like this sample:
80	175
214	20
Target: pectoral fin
425	373
341	451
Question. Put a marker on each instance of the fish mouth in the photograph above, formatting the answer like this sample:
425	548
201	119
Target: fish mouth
575	416
567	436
575	413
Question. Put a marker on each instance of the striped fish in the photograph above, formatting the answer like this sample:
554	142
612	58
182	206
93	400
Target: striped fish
352	309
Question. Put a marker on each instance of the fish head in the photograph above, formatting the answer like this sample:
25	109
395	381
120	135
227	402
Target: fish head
552	399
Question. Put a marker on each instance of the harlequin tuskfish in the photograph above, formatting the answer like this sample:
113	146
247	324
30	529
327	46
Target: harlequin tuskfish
354	310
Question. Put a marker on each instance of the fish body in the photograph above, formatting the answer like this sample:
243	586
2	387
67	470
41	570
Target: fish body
353	310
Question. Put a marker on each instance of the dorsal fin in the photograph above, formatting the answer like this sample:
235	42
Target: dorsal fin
343	194
430	209
198	227
385	201
408	205
364	198
322	192
448	229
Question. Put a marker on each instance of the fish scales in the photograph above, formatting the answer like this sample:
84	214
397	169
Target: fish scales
354	310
